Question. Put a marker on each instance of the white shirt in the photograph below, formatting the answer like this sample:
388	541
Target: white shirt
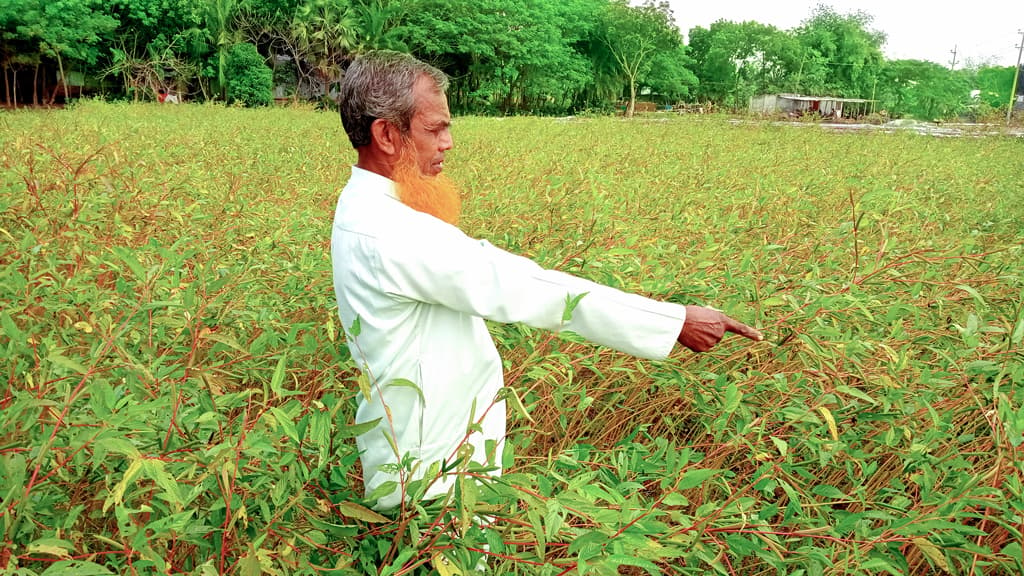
421	289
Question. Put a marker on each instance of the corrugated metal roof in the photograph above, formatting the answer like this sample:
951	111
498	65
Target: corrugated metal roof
818	98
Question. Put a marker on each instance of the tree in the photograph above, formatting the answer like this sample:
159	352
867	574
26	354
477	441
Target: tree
249	80
994	84
378	25
505	55
843	55
16	50
634	35
323	33
670	74
61	29
737	60
923	90
149	44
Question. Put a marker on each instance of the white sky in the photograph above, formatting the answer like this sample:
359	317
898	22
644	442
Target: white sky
981	30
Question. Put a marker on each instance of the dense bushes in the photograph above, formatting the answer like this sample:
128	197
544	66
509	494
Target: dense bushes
250	81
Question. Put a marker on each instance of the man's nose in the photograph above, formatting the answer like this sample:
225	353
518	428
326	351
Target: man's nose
446	142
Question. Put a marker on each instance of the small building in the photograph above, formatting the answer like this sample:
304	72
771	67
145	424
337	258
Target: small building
797	105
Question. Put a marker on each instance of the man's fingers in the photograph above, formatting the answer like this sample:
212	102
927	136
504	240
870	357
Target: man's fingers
743	330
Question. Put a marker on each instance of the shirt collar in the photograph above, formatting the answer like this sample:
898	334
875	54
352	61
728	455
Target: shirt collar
373	181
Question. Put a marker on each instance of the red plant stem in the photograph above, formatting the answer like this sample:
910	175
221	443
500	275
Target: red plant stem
107	345
230	490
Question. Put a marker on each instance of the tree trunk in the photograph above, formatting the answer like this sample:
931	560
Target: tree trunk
14	77
631	108
63	80
7	85
35	87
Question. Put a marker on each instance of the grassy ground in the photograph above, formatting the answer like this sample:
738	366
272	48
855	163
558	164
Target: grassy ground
179	396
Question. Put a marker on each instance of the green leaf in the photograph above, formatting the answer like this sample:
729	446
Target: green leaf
126	256
732	398
156	471
278	379
10	328
780	445
354	430
571	302
624	560
226	340
1013	550
973	292
249	565
693	478
588	545
118	446
384	489
66	362
554	518
878	564
403	383
75	568
851	391
1018	332
829	492
675	499
286	423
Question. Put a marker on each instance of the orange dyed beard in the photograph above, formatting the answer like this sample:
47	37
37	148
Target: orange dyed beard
434	195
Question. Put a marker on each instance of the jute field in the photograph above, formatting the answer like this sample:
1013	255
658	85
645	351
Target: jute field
178	396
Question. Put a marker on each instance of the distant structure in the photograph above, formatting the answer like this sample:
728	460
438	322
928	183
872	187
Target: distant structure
797	105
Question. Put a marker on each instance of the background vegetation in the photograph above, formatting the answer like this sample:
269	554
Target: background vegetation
504	56
178	395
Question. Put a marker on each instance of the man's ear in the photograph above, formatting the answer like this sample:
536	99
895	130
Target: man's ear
386	136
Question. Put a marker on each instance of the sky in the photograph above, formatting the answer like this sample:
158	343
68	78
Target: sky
985	31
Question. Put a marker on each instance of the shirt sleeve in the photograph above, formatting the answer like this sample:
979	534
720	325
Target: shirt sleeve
438	264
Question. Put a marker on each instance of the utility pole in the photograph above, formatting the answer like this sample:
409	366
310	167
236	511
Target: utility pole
953	52
1016	77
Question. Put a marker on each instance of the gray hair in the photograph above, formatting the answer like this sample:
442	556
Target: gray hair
379	84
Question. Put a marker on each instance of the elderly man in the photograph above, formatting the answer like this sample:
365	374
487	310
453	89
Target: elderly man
413	290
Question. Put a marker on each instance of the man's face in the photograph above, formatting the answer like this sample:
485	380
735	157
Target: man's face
429	128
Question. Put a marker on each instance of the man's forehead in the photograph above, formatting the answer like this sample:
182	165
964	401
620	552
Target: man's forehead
431	105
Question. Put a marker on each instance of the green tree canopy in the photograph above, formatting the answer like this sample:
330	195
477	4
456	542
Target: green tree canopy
842	55
65	30
634	36
923	90
738	60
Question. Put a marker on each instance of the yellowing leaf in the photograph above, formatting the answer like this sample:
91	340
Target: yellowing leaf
249	565
364	386
509	394
84	327
830	420
117	494
444	566
51	549
353	510
933	553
